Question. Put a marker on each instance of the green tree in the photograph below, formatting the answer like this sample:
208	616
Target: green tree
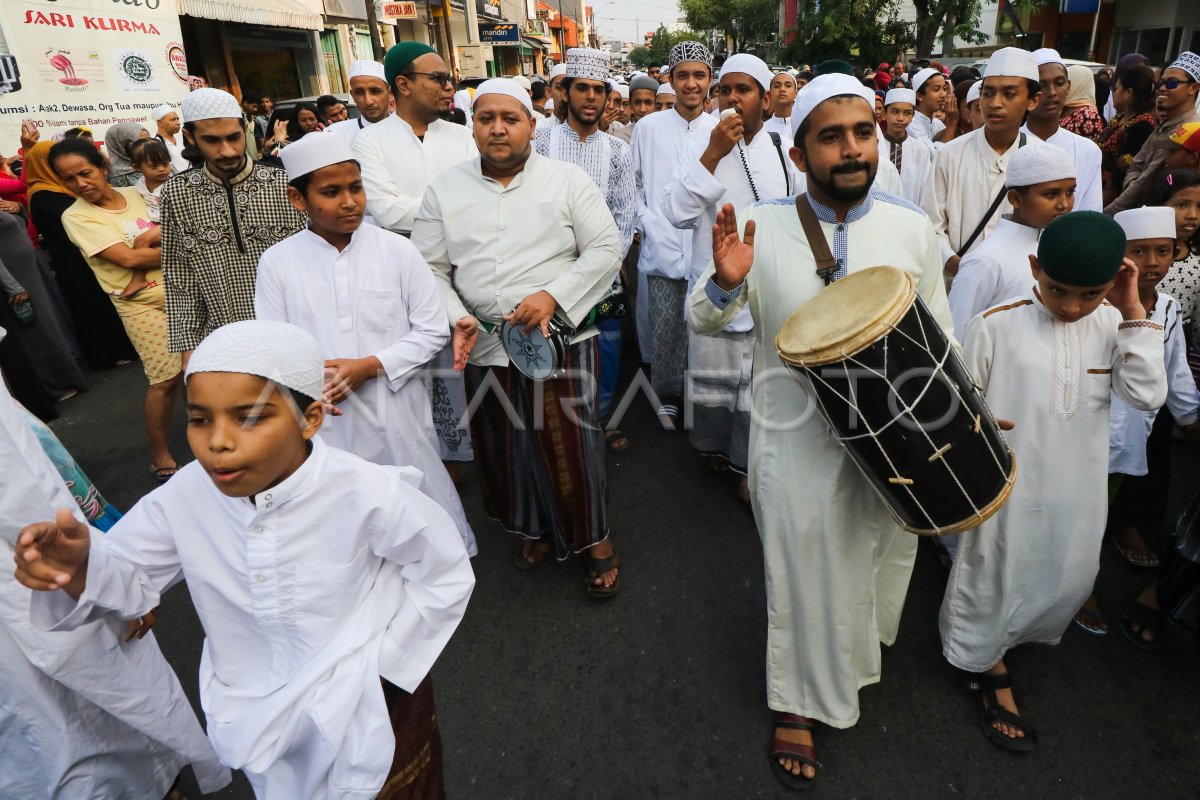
748	22
867	31
639	57
957	19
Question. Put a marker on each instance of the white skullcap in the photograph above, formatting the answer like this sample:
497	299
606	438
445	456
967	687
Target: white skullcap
522	81
750	65
1012	62
367	69
786	73
637	74
549	106
507	87
209	103
1147	222
665	88
1048	55
1038	162
919	79
825	87
589	64
899	95
623	90
973	92
161	111
317	149
557	70
277	351
1189	62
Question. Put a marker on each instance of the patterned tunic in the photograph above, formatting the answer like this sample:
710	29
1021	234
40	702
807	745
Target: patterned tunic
213	233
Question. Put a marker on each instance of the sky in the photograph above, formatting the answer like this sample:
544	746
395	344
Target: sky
629	20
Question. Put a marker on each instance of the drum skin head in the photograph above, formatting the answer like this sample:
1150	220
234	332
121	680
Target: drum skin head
846	316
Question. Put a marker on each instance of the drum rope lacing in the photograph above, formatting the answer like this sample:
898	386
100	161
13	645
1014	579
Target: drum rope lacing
906	410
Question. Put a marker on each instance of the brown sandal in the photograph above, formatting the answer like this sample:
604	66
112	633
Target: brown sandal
596	568
804	753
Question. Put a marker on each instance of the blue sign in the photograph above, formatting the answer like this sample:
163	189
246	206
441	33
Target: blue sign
499	33
1079	6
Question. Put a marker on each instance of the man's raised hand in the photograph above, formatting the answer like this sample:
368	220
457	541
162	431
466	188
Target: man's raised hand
54	555
732	255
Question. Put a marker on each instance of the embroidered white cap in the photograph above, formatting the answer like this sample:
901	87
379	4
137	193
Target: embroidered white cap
900	95
589	64
317	149
1038	162
367	69
751	65
507	87
1147	222
210	103
277	351
1189	62
1012	62
826	87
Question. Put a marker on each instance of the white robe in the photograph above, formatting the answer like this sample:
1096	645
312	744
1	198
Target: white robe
782	126
1129	428
376	297
996	270
397	166
82	715
1089	185
967	176
837	564
175	150
308	592
916	168
1022	575
349	128
926	128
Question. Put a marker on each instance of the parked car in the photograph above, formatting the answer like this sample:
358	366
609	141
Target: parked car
981	64
285	106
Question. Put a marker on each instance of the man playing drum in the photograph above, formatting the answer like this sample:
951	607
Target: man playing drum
837	564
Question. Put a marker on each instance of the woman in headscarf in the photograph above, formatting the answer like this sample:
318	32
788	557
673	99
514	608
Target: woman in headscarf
98	328
1080	114
1133	101
117	141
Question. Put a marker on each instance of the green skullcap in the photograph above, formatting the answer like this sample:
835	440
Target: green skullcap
1083	248
400	58
834	66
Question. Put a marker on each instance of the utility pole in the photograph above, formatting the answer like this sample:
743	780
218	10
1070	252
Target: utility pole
373	27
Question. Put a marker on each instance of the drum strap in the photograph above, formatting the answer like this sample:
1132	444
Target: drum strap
991	210
826	264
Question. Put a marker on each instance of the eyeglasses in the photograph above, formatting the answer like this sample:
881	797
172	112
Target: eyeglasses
1171	84
440	78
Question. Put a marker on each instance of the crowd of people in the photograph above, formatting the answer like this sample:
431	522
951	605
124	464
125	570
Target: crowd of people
351	307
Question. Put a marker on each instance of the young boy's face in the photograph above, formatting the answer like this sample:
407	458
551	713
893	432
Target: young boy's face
1065	302
1186	203
1055	88
155	173
335	200
1153	258
1039	205
248	435
1005	101
899	117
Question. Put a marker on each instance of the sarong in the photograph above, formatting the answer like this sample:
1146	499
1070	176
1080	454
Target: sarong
669	334
720	369
416	772
540	451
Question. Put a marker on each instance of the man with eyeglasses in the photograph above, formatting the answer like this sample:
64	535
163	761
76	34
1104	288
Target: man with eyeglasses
399	157
1175	101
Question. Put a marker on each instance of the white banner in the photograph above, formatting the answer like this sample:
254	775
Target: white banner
94	63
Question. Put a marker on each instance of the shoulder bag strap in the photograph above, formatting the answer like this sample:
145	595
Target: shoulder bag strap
826	263
990	212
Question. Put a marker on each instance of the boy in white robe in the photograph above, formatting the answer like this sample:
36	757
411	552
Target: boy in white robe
82	714
1049	362
1041	188
911	157
314	574
372	303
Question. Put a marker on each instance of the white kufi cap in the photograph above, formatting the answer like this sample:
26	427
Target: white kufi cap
919	79
1012	62
504	86
1038	162
825	87
589	64
665	88
317	149
522	81
753	66
367	69
209	103
1189	62
161	111
623	90
1048	55
277	351
973	92
1147	222
900	95
556	71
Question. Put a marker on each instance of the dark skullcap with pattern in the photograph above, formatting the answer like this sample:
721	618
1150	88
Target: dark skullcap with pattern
690	51
1083	248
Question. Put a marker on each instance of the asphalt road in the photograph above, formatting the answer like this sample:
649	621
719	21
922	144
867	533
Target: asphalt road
660	694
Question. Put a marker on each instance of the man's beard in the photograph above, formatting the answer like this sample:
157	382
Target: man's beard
572	111
845	194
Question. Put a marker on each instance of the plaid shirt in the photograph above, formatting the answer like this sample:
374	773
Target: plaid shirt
212	236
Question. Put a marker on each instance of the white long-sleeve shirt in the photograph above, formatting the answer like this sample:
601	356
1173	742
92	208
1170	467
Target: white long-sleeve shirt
995	271
307	597
349	128
376	297
916	167
491	245
1089	185
397	166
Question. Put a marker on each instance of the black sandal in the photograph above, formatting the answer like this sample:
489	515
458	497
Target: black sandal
537	548
993	712
1149	620
596	568
616	441
804	753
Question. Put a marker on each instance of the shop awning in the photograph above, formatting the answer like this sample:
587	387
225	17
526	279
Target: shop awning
536	44
305	14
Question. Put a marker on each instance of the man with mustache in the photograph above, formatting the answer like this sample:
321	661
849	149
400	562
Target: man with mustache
837	564
1043	121
515	237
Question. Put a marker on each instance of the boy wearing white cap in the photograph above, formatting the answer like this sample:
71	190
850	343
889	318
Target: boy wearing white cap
1042	122
969	194
911	156
740	164
167	120
664	97
369	89
324	610
1041	188
933	94
783	95
372	303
